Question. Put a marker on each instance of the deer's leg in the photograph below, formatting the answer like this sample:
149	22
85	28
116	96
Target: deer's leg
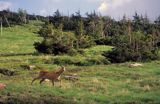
41	81
53	82
60	82
34	79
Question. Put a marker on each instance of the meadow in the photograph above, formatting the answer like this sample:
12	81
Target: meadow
98	82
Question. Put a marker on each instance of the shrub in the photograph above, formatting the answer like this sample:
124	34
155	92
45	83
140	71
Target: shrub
84	41
43	47
55	41
72	52
81	51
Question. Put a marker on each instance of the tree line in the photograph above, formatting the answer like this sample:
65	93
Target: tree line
9	18
136	39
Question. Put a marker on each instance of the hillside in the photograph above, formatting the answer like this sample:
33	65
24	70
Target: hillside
97	84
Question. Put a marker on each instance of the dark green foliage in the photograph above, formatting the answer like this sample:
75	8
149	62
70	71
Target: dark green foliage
136	47
104	41
72	52
57	19
60	48
84	41
142	23
43	47
46	31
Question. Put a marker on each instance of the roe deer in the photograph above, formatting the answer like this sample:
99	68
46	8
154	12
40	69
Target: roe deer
53	76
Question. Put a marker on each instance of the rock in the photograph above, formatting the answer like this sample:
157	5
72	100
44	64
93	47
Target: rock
135	65
146	88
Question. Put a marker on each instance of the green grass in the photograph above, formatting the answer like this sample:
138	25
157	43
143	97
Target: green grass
97	50
19	39
97	84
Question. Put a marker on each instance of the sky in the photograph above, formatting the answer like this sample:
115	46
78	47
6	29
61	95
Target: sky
113	8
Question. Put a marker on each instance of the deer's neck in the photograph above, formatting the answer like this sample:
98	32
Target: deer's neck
60	71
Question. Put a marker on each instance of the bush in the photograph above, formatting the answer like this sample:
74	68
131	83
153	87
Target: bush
52	48
56	42
43	47
81	51
84	42
72	52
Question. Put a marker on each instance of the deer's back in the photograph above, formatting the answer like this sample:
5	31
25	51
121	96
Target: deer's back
48	75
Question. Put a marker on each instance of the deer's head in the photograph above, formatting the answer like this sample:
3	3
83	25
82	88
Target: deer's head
63	68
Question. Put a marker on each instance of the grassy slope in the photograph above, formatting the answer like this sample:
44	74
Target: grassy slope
97	84
18	39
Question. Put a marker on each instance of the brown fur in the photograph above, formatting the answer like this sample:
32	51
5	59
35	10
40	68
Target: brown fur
51	75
